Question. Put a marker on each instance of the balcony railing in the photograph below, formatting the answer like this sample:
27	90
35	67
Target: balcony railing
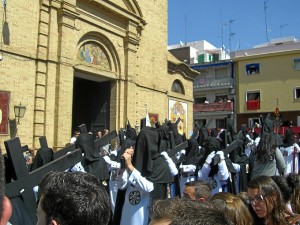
213	107
213	82
253	105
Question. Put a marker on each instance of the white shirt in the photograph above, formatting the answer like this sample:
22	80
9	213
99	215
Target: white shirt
221	177
137	198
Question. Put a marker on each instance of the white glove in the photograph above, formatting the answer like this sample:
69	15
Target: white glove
210	157
183	151
221	154
107	159
165	154
189	168
251	142
115	165
296	146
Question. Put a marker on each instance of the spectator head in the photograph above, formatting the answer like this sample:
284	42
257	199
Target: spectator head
72	199
5	206
266	200
284	188
293	180
233	207
185	212
198	190
76	133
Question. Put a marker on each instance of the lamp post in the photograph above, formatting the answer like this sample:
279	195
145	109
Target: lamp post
19	111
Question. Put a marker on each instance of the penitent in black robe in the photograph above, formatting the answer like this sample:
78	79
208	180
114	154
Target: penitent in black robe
148	161
93	163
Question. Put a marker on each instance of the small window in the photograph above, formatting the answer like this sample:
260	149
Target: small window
215	57
253	100
220	123
252	68
252	95
297	93
297	64
221	98
200	100
177	87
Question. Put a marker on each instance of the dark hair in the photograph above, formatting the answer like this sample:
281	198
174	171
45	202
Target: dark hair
269	188
202	188
265	151
187	212
161	208
284	188
2	182
293	180
74	199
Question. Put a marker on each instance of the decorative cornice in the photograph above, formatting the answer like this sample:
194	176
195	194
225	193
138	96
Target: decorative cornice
119	11
182	69
67	15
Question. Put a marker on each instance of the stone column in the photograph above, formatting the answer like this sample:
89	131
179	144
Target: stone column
131	63
65	73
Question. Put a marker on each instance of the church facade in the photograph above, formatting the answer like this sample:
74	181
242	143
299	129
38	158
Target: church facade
97	62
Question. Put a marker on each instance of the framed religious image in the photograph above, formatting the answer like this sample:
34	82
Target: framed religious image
4	111
178	109
153	118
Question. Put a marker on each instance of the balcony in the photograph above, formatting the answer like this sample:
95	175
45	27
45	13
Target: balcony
214	82
214	107
253	105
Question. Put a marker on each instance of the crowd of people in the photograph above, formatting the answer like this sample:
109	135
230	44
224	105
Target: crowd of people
221	177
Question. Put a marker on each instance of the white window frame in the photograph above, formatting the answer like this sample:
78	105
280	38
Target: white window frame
295	92
253	92
297	63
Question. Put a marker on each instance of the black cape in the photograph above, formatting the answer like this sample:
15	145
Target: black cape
93	162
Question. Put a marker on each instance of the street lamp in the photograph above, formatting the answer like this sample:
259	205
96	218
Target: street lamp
19	111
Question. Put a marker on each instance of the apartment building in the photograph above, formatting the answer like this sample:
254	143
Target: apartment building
214	87
268	81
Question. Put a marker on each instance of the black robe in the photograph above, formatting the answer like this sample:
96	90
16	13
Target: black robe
148	161
43	156
93	162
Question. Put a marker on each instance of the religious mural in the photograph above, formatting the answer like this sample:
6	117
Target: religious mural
178	110
153	118
92	53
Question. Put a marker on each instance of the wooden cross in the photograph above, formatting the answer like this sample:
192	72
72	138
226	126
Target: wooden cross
64	151
60	153
43	142
174	148
25	181
83	129
103	140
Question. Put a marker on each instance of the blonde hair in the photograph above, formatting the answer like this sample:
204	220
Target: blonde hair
234	208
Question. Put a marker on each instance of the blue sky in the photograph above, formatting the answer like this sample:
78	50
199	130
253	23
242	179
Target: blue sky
192	20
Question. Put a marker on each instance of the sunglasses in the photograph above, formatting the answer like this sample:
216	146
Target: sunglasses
256	199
